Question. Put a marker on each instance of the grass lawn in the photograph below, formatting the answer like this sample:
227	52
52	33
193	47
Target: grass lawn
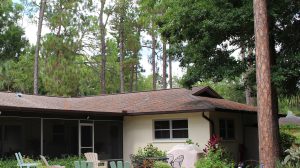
293	130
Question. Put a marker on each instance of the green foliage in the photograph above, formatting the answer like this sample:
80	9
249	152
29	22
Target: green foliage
286	141
18	75
229	89
215	156
160	164
190	141
293	130
147	152
12	41
68	162
293	156
289	103
288	165
207	29
215	159
150	151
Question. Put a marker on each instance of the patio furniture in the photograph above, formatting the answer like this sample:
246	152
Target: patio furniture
47	164
176	163
119	164
83	164
170	158
93	157
251	164
21	163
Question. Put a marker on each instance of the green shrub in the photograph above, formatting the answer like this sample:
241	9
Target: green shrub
160	164
293	156
143	155
286	142
215	156
215	159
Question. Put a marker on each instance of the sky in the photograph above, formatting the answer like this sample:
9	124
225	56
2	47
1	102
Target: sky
31	30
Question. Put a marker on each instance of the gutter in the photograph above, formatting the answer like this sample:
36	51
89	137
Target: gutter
212	125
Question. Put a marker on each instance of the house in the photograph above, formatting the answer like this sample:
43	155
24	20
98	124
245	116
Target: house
115	126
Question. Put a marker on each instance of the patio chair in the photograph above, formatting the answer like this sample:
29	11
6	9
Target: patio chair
119	164
83	164
47	164
176	163
21	163
251	164
170	158
93	157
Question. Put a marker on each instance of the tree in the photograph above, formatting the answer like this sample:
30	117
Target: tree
118	24
209	30
102	25
267	115
170	72
149	15
37	47
63	47
12	40
164	59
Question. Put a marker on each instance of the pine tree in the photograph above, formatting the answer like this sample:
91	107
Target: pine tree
37	47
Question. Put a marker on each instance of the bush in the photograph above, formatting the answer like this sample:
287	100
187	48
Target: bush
215	159
68	162
145	156
286	142
215	156
160	164
293	156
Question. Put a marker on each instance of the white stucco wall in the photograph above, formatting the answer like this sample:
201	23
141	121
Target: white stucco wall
138	131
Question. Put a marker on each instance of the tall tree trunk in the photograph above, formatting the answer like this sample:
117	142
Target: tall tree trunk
268	132
170	72
122	41
153	58
136	77
37	48
164	77
103	50
274	90
250	100
131	77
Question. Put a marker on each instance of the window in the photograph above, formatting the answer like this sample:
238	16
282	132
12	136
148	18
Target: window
58	134
227	129
171	129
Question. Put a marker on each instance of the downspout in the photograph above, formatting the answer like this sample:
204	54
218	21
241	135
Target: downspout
212	125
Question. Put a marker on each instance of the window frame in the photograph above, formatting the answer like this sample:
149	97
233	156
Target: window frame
226	138
170	129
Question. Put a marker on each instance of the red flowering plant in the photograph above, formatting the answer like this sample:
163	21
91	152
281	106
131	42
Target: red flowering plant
215	156
212	144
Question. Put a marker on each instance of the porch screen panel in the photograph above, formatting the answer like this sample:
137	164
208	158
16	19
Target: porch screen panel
19	135
60	137
109	139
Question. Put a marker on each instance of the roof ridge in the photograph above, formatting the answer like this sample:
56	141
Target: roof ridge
112	94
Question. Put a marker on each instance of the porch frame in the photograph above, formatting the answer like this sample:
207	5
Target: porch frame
79	129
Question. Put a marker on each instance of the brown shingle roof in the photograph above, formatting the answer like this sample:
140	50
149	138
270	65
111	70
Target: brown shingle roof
169	100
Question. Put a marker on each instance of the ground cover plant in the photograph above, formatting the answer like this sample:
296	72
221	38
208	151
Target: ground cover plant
68	162
292	129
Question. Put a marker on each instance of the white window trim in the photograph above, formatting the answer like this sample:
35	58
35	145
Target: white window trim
170	131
